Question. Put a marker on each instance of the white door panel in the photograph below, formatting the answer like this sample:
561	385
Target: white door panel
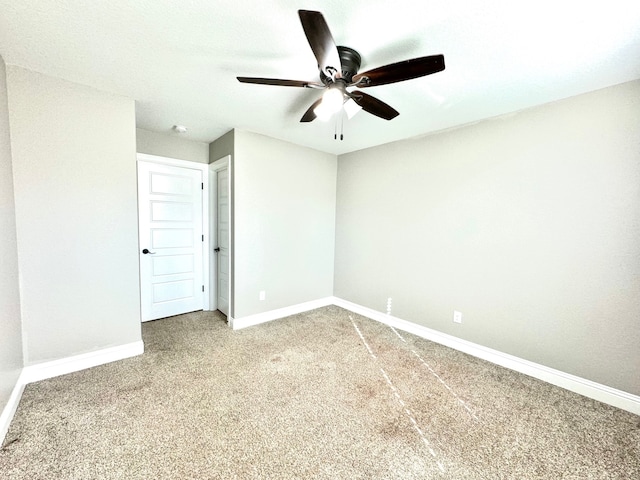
172	237
173	264
170	184
171	211
170	219
171	291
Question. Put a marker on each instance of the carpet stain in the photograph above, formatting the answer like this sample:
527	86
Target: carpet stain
396	393
396	429
8	443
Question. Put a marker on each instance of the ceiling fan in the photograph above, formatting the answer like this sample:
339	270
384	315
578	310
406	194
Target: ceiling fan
340	78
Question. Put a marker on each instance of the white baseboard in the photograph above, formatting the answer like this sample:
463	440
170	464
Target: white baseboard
582	386
42	371
258	318
10	409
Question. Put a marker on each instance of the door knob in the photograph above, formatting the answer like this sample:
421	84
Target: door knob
146	251
217	249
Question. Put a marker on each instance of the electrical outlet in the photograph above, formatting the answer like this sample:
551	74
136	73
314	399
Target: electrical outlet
457	316
389	300
263	295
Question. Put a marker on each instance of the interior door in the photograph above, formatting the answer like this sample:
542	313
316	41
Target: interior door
223	230
171	240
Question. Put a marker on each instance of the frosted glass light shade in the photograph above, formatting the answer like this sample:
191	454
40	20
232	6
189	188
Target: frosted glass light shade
351	108
332	101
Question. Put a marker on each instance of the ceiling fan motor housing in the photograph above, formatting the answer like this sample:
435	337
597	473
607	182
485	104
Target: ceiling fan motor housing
350	60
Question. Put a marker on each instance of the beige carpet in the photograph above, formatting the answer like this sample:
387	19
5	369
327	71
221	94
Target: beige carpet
326	394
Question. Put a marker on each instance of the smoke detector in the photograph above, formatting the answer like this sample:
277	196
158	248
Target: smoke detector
180	129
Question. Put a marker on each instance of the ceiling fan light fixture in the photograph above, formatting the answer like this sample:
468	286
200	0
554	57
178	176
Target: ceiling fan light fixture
332	101
351	108
322	113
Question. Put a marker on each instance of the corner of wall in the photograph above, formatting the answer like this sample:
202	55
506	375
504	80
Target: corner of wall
222	146
11	343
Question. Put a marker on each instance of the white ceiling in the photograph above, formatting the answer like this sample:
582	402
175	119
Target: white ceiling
179	59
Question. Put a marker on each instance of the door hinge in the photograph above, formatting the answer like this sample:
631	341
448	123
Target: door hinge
202	186
203	238
203	288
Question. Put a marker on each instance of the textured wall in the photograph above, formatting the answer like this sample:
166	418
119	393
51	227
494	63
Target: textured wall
74	166
284	200
10	326
171	146
528	224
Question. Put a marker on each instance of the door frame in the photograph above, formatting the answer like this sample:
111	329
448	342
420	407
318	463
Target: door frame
206	229
214	167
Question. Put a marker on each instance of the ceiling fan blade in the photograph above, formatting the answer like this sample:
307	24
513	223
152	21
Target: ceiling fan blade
400	71
310	115
283	83
374	106
319	36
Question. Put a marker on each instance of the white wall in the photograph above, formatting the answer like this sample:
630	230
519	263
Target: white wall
10	326
171	146
284	223
74	167
528	224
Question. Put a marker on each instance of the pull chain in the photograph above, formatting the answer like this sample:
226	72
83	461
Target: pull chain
340	119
